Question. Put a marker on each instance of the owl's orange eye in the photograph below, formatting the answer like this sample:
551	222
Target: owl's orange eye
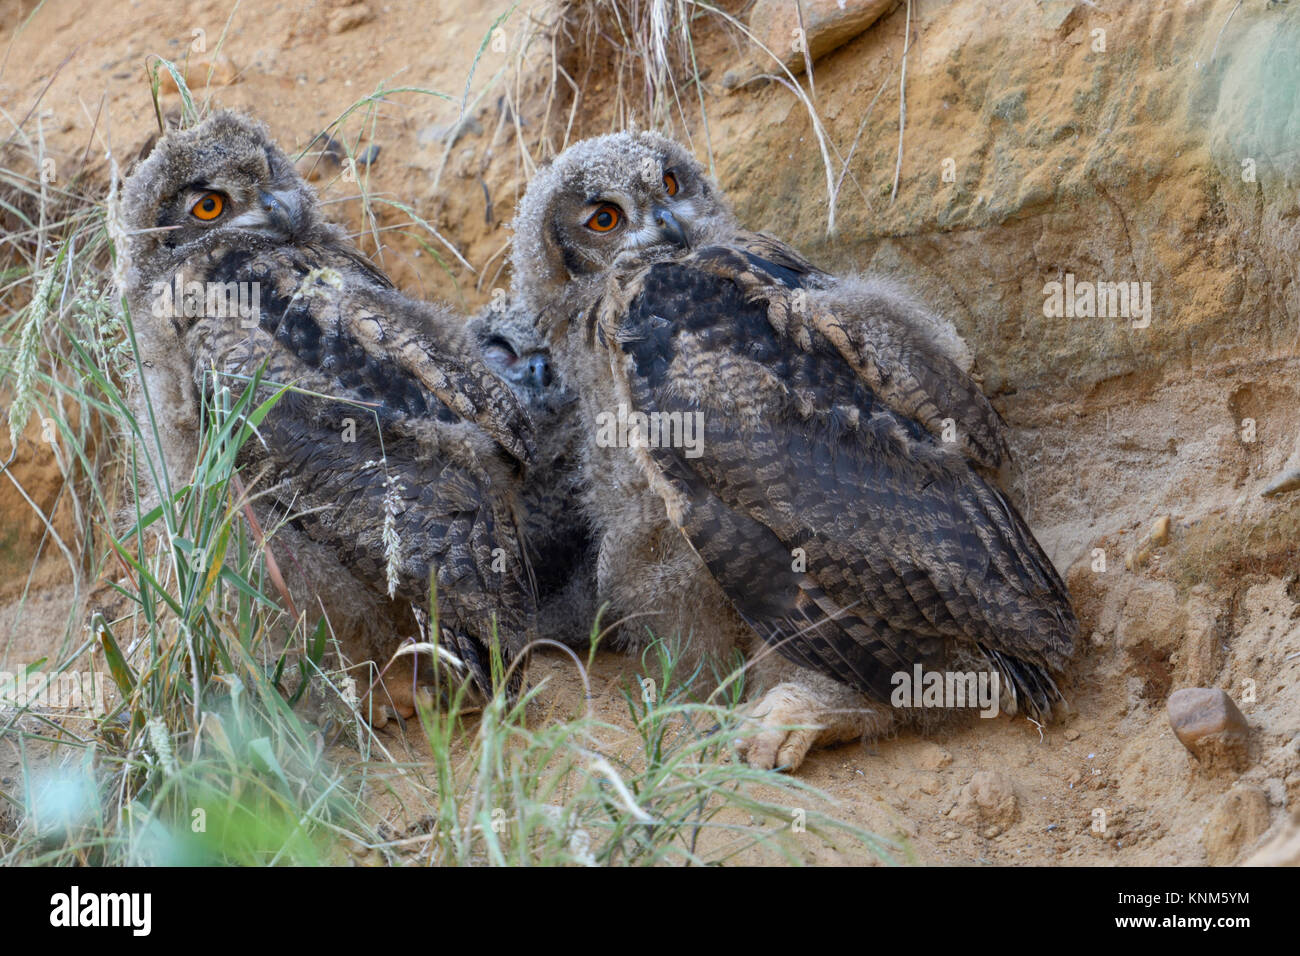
209	206
670	184
605	218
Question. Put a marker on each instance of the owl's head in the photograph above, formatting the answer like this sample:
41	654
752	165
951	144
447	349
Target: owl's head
512	347
619	200
223	183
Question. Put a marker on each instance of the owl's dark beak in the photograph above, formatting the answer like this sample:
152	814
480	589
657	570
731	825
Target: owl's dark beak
282	212
539	372
670	229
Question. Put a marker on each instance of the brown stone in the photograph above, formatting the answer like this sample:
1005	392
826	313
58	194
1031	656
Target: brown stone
349	17
1150	631
1198	660
827	24
1240	818
1210	726
989	798
1282	850
933	757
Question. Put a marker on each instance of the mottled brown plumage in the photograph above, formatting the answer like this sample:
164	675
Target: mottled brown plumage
392	413
557	531
841	507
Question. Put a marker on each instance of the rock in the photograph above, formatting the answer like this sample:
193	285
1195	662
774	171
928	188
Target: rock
1282	850
933	757
1149	631
349	18
1157	537
1240	818
224	72
1071	734
1292	786
449	133
332	151
1060	17
324	156
827	24
1282	483
989	798
1210	726
1198	660
327	156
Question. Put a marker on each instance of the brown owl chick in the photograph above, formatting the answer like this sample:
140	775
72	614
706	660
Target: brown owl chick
778	457
397	456
558	535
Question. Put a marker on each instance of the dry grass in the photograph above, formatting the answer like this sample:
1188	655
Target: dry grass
585	67
1227	554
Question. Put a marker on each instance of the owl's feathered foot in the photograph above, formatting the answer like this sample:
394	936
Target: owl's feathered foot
794	718
789	729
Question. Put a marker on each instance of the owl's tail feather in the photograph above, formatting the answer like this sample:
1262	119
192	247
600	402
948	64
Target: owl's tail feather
1029	685
486	595
478	659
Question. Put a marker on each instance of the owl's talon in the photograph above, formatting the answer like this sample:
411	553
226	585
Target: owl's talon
790	727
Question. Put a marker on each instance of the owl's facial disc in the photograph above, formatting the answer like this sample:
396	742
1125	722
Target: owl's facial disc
258	199
651	216
530	370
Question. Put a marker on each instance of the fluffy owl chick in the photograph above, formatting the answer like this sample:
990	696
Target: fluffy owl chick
395	459
779	458
558	536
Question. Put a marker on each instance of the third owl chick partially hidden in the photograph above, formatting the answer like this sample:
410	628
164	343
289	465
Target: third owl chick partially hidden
778	457
558	534
398	453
